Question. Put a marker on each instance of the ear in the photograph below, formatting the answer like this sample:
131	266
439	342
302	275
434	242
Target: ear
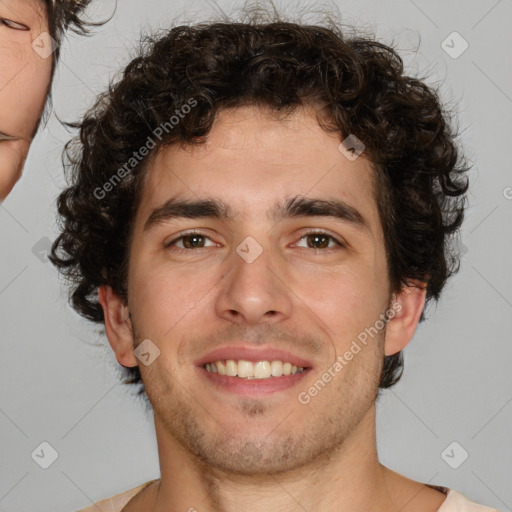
118	326
408	306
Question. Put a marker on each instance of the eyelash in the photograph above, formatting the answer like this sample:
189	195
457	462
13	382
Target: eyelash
192	233
5	138
10	23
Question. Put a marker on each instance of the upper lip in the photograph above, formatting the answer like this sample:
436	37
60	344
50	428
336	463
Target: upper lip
252	354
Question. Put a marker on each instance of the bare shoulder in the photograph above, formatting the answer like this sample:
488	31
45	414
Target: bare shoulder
413	496
144	499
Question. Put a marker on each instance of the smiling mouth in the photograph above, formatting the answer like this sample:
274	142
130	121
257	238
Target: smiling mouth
244	369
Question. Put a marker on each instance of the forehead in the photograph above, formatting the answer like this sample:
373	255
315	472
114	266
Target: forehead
251	159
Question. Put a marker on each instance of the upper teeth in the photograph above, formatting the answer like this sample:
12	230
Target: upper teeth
249	370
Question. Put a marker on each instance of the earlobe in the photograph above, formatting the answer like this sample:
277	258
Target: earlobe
118	326
404	314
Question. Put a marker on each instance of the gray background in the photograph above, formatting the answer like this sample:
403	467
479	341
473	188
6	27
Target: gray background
57	386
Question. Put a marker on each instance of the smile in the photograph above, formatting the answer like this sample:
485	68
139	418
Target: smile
252	370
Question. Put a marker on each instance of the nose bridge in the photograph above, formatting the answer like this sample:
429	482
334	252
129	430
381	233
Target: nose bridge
253	290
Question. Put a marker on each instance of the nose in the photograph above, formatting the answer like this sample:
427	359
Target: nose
255	292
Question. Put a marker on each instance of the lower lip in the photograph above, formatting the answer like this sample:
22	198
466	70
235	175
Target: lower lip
253	387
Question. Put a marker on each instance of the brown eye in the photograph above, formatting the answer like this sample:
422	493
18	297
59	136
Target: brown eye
189	241
193	241
320	240
13	24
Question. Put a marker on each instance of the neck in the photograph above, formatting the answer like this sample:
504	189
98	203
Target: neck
346	479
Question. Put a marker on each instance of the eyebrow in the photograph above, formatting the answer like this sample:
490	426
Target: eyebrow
298	206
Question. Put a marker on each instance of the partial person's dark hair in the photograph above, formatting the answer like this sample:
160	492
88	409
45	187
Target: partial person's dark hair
419	182
66	15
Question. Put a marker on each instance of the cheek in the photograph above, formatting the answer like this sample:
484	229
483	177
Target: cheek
345	299
163	297
25	82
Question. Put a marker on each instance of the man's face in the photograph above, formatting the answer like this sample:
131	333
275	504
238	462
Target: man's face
303	294
24	79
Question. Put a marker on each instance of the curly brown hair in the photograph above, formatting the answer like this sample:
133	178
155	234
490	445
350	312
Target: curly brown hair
419	182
